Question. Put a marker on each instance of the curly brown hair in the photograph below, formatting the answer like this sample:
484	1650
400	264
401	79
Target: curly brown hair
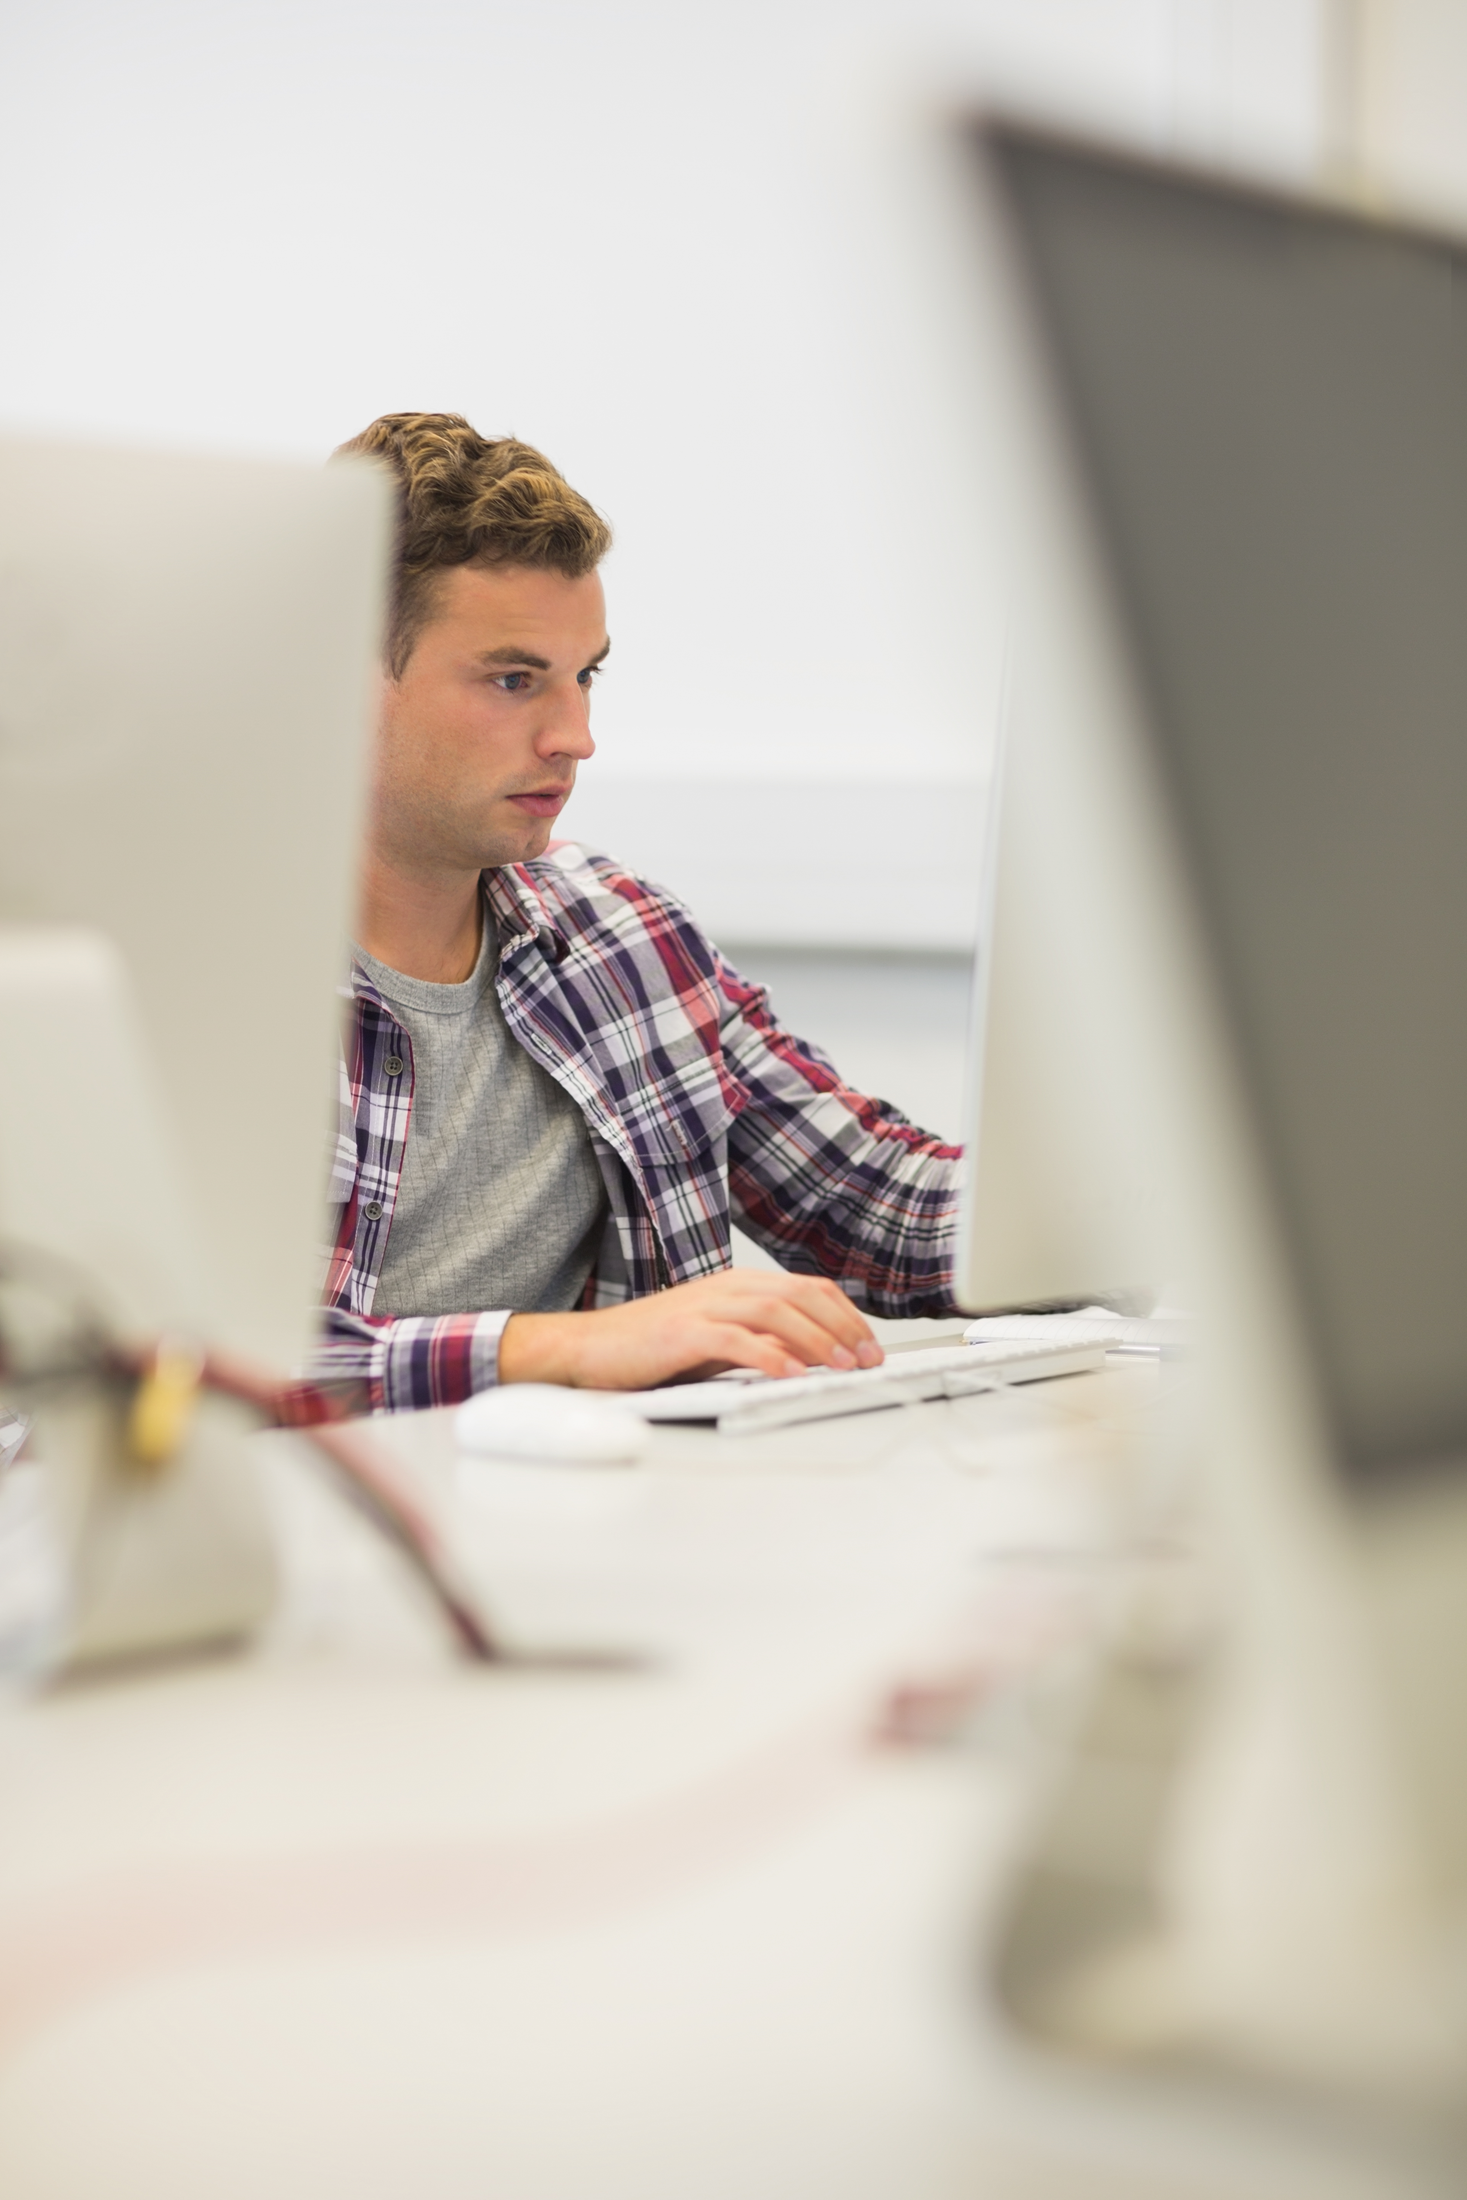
469	499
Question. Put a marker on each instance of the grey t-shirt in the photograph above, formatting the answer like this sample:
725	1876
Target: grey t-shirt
501	1202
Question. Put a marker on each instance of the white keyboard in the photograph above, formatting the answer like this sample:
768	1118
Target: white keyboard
739	1403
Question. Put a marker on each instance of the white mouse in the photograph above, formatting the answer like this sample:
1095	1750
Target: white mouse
546	1421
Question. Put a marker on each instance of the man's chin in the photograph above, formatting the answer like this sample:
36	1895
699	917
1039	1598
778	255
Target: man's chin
519	842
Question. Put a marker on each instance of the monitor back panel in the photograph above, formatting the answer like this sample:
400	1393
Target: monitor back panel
185	654
1267	407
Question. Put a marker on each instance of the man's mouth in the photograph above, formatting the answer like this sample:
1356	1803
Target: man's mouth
543	801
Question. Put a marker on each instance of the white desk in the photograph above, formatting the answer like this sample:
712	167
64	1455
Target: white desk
347	1917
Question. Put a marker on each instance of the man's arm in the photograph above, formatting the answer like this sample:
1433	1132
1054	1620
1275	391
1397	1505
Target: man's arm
829	1180
840	1187
781	1325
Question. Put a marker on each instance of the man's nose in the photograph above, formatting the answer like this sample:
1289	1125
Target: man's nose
565	729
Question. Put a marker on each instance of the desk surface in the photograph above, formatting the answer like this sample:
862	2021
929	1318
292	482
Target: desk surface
347	1916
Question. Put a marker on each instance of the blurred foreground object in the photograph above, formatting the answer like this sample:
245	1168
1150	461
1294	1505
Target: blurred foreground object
186	647
1236	427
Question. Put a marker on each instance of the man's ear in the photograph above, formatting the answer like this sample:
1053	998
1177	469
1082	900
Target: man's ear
382	700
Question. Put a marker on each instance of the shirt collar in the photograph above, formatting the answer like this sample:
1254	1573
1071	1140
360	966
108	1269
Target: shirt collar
520	910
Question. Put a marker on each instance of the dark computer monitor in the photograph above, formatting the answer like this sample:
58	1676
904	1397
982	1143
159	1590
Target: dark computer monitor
1235	425
1267	406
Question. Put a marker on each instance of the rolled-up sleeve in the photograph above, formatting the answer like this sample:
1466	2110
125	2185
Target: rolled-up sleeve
400	1363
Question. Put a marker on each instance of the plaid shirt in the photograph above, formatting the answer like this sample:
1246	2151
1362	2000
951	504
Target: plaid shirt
701	1111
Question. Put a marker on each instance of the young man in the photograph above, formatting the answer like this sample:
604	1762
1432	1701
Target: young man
557	1094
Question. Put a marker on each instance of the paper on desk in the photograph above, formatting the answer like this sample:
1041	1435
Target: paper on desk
1154	1333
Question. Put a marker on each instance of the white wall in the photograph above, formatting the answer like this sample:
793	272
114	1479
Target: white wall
664	240
1409	101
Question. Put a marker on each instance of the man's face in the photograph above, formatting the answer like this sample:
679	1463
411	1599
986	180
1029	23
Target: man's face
478	741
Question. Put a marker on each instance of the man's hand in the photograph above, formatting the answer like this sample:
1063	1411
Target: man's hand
746	1317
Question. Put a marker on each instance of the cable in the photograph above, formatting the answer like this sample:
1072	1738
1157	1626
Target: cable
54	1338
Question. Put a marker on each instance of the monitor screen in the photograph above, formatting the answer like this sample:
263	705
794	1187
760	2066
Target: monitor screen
1268	405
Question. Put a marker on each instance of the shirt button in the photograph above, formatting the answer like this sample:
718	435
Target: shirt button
393	1066
373	1210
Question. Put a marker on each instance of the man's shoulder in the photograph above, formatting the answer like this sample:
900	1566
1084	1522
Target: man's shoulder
575	867
610	918
583	889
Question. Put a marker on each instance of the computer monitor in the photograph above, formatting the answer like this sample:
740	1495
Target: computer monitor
1236	423
1056	1210
186	651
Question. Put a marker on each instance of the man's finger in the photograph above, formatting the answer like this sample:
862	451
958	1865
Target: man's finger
811	1343
826	1303
817	1302
729	1344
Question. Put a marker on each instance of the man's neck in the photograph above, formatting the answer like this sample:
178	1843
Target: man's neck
424	926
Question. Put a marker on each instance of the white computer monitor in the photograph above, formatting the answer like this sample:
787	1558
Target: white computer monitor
186	646
187	650
1056	1209
1236	427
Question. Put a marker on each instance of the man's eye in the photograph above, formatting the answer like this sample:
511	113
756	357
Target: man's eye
592	672
512	682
